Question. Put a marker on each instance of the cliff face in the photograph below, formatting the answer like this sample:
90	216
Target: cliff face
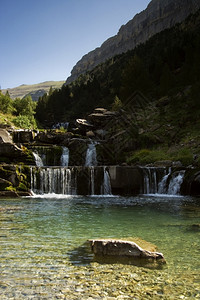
159	15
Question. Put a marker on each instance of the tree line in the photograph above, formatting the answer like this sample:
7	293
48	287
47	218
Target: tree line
167	62
164	65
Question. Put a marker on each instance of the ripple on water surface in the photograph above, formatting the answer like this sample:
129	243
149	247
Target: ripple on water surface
42	256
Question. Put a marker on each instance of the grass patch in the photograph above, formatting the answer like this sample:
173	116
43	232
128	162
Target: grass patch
148	156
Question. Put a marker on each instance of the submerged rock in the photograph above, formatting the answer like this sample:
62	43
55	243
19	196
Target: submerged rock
195	227
122	248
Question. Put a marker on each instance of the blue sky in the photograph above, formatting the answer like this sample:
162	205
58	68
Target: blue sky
42	40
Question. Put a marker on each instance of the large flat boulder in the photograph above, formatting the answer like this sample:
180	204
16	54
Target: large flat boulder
122	248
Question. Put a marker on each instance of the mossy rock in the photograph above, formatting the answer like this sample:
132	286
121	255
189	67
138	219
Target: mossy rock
10	188
4	184
22	187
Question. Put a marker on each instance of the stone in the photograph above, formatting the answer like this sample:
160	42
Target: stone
83	124
4	184
100	110
51	137
121	248
10	150
101	119
90	134
5	137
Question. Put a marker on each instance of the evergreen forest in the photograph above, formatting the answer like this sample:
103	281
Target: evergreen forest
163	120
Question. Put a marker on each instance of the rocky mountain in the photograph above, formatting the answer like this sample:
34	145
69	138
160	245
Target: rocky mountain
35	90
159	15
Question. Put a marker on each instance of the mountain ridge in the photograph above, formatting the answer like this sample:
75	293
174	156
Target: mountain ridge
35	90
158	15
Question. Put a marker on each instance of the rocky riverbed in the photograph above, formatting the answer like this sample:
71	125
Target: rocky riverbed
98	281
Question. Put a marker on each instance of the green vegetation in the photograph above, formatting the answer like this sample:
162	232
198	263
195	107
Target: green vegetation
154	88
16	178
147	156
18	112
164	65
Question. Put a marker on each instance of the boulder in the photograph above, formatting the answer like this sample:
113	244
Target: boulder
122	248
4	184
7	148
5	136
10	150
90	134
100	110
102	119
53	138
83	124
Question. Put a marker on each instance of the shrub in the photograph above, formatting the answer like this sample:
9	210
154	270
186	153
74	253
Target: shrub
24	122
184	155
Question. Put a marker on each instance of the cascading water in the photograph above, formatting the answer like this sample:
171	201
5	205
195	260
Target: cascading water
162	186
150	180
168	183
91	162
92	180
53	180
106	186
64	160
175	183
91	155
70	181
38	160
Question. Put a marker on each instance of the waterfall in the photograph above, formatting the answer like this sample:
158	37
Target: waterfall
91	155
65	125
45	180
162	181
51	155
64	160
162	186
175	184
38	160
106	186
70	181
92	180
150	185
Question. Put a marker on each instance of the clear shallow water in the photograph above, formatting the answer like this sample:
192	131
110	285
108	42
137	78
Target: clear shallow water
41	255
